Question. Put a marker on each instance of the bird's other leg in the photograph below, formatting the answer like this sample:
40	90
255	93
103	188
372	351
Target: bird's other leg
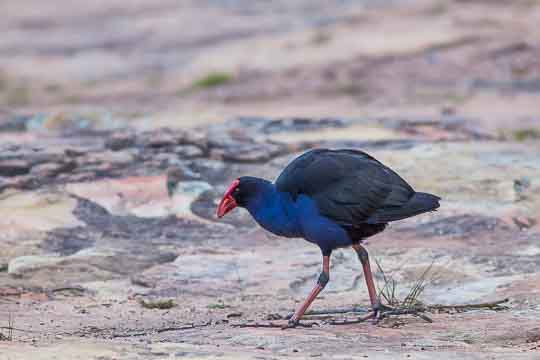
364	259
324	277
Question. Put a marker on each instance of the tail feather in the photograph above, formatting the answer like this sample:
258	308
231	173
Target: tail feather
419	203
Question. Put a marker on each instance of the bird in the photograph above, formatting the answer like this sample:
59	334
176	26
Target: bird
333	199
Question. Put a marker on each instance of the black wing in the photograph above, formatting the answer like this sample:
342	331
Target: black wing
348	186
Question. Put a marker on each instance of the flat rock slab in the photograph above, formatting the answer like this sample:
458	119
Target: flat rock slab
83	256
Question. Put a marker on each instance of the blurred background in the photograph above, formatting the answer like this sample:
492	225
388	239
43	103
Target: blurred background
123	122
182	62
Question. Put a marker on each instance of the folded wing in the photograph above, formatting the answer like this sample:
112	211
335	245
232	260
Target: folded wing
351	187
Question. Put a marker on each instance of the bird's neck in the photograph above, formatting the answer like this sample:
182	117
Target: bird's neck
275	211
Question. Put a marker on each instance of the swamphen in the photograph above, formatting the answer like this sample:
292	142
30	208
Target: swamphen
332	198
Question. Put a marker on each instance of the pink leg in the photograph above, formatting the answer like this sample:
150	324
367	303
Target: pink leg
364	259
321	283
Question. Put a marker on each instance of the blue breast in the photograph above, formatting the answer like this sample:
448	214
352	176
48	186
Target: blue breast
279	214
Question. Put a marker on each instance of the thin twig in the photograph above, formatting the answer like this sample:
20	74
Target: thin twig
415	312
126	335
11	329
67	288
272	325
494	305
10	324
352	321
161	330
355	309
424	317
180	328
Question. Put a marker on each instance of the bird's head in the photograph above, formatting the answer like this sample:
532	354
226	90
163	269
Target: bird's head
240	193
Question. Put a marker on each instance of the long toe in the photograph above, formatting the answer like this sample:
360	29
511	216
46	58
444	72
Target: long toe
290	324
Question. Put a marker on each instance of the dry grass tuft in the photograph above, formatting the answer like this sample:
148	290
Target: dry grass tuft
388	291
9	328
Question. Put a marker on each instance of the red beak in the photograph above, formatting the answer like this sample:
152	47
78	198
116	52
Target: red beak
227	203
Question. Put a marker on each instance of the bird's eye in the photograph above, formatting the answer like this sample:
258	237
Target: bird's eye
237	190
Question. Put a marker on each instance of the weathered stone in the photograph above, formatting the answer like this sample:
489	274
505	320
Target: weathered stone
524	223
14	167
217	154
302	124
196	138
460	226
120	141
252	153
183	196
40	210
80	176
24	182
164	160
73	152
66	241
188	151
103	162
177	174
358	132
162	138
53	169
25	264
145	196
17	123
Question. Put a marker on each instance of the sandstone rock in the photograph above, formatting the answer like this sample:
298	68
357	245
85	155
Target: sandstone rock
188	151
164	160
145	196
161	138
14	167
302	124
17	123
53	169
184	194
39	210
120	141
25	264
251	153
84	176
116	157
176	174
197	138
359	132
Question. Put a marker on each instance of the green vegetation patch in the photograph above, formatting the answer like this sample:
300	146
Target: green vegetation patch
158	304
526	134
218	305
213	80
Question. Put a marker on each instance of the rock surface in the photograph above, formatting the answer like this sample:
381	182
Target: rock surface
95	248
105	211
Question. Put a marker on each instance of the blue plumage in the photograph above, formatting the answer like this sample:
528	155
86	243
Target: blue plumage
282	215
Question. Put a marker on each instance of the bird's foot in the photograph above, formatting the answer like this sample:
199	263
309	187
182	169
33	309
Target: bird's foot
390	311
322	314
379	311
292	323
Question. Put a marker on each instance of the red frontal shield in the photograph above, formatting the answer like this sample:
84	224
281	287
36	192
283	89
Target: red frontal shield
227	203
